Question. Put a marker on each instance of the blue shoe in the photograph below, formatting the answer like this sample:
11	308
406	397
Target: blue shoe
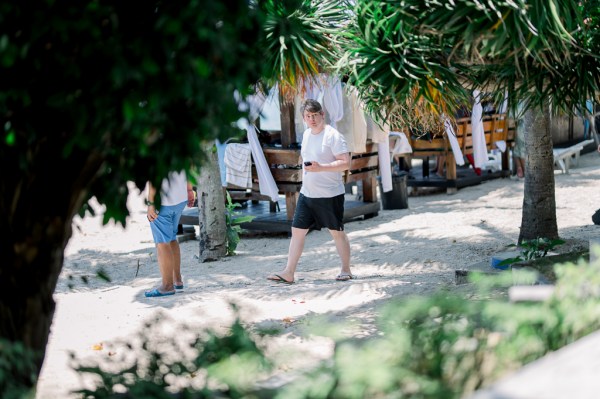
155	293
178	287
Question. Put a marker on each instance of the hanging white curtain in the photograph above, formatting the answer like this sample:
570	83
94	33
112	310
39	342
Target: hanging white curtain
479	147
451	134
266	183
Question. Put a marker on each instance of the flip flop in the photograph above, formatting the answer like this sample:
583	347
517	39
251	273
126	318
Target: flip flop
178	287
278	279
156	293
344	277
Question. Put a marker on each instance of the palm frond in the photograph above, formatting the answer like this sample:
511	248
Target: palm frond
299	41
414	59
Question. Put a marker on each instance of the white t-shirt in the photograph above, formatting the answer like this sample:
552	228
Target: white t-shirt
322	148
173	190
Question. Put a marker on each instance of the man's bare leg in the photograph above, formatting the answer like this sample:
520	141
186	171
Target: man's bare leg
177	280
520	167
166	262
342	244
294	253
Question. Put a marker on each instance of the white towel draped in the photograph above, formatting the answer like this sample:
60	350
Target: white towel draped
402	146
479	146
385	167
353	125
266	183
238	164
451	134
332	99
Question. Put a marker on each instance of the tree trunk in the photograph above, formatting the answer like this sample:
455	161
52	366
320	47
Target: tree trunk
36	213
211	209
539	203
26	288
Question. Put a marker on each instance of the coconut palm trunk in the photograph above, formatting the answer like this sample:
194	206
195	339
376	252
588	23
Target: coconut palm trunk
211	209
539	204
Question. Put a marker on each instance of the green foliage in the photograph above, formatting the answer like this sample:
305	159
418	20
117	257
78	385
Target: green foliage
395	65
446	346
441	346
415	59
193	364
95	94
233	223
297	40
533	249
18	371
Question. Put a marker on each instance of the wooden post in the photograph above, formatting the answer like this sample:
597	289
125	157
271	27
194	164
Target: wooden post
450	166
288	136
505	161
369	190
290	203
288	124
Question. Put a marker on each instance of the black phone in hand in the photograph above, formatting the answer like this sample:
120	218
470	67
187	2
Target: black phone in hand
307	163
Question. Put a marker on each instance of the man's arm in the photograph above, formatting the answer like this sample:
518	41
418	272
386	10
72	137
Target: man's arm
191	195
341	163
151	213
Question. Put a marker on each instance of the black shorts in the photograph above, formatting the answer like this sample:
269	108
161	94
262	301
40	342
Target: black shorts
315	213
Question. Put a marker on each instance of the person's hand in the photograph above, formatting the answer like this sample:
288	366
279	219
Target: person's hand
152	214
191	198
314	167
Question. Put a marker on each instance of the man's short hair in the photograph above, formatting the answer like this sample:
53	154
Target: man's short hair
312	106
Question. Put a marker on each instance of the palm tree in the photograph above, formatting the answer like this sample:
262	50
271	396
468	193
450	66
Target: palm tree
299	41
211	208
414	59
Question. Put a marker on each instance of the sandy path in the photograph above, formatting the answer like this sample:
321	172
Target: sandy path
398	253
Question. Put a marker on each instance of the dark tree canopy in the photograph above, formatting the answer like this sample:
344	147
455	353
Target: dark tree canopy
94	94
124	85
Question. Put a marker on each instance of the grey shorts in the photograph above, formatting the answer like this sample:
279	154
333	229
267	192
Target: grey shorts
316	213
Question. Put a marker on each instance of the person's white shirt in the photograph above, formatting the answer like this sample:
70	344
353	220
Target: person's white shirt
173	189
322	148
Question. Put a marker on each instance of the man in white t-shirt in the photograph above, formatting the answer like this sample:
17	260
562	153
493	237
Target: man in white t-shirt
175	192
321	201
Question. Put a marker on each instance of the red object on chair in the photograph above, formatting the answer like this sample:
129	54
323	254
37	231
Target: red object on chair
472	162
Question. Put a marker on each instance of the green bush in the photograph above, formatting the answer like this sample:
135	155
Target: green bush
168	360
233	223
442	346
532	249
445	346
18	371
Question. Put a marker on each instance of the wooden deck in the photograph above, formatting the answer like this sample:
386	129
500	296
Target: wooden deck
465	176
276	222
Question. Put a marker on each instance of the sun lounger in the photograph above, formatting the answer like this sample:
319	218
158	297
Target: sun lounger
564	156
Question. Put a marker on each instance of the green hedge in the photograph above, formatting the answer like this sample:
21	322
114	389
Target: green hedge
442	346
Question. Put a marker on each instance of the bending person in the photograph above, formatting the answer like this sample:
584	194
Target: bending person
176	192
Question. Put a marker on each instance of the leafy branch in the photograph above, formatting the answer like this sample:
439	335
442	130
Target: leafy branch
233	223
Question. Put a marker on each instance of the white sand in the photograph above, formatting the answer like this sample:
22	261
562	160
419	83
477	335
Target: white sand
396	254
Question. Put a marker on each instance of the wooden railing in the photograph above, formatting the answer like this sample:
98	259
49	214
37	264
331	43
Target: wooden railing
495	127
285	166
